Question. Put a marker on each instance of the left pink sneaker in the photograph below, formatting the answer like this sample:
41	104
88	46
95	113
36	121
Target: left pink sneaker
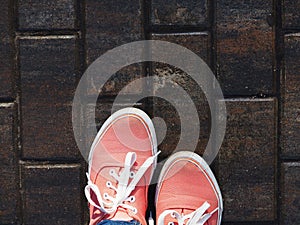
121	164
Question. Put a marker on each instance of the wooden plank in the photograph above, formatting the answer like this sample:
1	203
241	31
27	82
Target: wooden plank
9	184
110	24
247	160
48	82
51	193
179	12
290	14
245	43
46	15
199	43
290	135
6	51
290	192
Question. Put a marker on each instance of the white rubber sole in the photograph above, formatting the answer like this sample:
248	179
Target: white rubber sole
191	157
145	119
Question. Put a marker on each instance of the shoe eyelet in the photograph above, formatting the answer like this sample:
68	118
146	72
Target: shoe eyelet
132	199
171	223
105	196
131	174
108	184
111	171
134	210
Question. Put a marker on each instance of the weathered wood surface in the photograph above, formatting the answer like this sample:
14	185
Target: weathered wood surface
290	135
247	160
48	82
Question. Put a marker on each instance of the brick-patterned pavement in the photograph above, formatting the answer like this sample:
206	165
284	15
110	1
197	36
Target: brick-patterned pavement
253	47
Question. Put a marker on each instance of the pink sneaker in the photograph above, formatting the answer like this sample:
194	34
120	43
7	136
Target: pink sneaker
121	164
187	192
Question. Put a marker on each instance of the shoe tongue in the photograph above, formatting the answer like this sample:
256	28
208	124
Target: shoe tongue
182	212
121	214
169	218
125	215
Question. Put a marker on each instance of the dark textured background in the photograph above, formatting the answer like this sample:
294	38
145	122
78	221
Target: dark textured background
253	47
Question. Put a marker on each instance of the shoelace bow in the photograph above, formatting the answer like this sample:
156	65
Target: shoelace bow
195	218
109	204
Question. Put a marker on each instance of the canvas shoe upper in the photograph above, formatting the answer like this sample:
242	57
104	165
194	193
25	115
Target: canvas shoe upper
121	163
187	192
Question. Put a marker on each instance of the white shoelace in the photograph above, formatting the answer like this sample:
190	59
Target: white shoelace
109	204
195	218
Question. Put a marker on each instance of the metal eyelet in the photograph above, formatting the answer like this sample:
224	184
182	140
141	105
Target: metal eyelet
134	210
108	184
171	223
111	171
105	196
132	199
131	174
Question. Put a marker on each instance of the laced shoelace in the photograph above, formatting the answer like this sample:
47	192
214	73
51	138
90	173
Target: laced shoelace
195	218
109	204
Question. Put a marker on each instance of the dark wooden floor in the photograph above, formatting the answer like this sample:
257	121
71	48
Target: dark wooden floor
253	47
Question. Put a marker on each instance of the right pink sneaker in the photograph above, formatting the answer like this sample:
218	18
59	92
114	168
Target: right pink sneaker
187	192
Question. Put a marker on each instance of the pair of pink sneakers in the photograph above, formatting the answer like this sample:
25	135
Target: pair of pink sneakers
122	160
